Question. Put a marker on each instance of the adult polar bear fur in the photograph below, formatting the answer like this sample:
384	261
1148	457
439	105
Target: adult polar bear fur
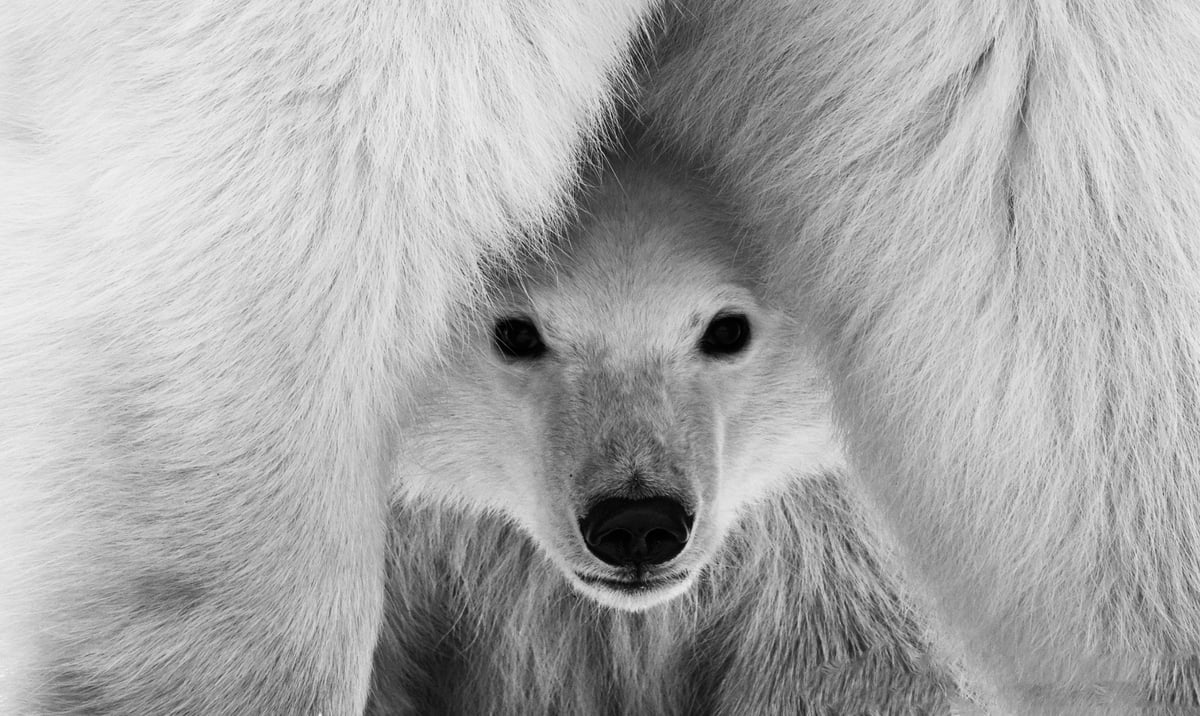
653	367
233	233
231	236
991	212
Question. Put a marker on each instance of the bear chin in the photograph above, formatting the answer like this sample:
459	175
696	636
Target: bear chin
632	595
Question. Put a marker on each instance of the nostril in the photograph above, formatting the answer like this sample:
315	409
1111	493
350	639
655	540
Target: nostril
625	532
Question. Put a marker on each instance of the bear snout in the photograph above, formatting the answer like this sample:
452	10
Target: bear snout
636	533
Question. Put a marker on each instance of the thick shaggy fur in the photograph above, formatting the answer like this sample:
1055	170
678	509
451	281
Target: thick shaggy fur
788	610
624	402
795	616
231	235
991	211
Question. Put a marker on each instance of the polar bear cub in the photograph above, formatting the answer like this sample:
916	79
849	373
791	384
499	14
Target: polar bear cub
627	397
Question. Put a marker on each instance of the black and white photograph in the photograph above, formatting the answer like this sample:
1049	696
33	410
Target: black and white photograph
599	357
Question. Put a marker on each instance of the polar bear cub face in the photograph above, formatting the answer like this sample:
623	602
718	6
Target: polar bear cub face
625	401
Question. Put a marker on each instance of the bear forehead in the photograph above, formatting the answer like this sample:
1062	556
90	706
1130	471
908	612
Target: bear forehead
659	309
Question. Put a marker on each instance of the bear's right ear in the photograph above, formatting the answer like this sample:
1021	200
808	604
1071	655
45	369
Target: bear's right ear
517	338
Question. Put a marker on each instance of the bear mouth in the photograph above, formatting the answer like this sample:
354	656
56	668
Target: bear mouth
632	586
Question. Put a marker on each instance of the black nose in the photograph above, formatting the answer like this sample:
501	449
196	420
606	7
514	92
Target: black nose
633	533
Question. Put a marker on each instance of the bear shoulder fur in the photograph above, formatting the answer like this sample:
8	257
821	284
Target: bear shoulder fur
991	212
231	234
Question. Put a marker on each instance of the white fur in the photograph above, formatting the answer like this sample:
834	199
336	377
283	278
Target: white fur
990	212
624	403
789	606
231	234
795	615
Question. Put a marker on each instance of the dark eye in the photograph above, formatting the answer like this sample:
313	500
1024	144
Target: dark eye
518	338
726	335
